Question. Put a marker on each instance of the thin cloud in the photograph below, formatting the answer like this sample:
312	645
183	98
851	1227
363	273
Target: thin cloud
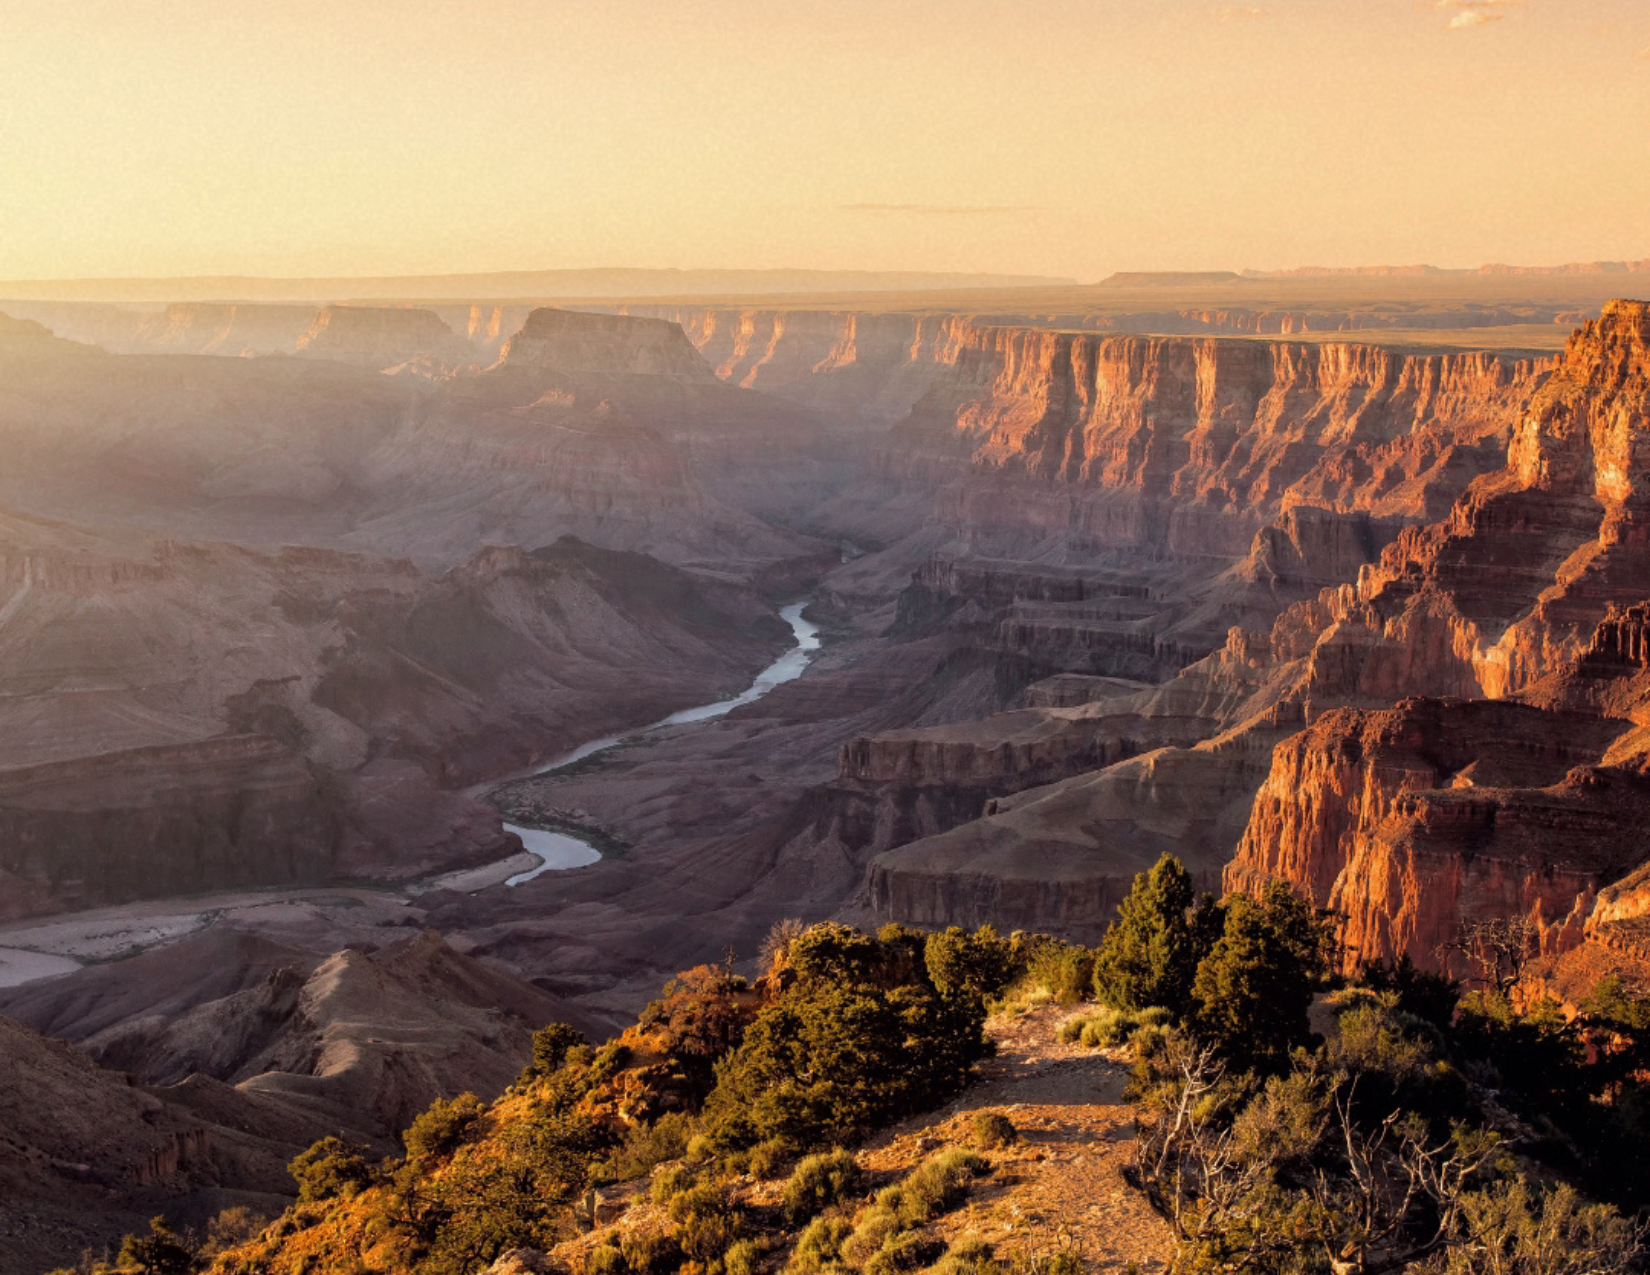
943	210
1474	13
1239	12
1643	55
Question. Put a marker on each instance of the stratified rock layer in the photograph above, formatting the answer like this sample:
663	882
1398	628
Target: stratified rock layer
1417	825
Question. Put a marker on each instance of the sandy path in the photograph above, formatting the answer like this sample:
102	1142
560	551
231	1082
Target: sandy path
1061	1185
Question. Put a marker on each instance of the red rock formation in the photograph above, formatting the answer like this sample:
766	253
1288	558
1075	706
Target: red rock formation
1230	425
870	365
1410	821
1416	822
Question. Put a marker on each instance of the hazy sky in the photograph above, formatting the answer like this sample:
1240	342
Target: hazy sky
1071	137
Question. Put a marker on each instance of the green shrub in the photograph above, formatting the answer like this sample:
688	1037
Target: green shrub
992	1129
550	1049
1253	989
608	1062
742	1258
697	1019
902	1253
876	1226
330	1168
160	1251
819	1182
648	1145
605	1259
707	1224
857	1039
1107	1029
706	1236
703	1197
232	1227
671	1181
939	1184
699	1149
976	965
1060	970
1150	954
769	1159
819	1247
968	1255
1148	1039
445	1127
647	1251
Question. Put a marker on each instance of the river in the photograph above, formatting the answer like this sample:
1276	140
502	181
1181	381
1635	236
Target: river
558	850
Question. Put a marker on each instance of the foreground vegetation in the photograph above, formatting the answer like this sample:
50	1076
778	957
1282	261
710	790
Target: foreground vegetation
1290	1121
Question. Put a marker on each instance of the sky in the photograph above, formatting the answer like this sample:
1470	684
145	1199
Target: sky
1061	137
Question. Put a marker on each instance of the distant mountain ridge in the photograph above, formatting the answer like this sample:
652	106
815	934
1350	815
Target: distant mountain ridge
1200	278
511	285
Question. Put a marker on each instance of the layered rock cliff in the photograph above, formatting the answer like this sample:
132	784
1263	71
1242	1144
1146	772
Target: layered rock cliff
1246	428
1416	822
1511	593
1419	824
869	365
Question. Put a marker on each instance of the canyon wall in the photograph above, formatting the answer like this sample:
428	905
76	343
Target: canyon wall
1412	822
1175	442
1419	822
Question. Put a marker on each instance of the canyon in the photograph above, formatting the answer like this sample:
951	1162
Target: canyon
288	591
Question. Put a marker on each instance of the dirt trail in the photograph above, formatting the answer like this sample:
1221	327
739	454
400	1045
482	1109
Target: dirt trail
1061	1185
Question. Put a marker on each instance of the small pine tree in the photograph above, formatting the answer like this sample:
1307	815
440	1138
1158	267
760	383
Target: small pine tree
160	1252
964	964
330	1168
1252	991
1150	954
550	1047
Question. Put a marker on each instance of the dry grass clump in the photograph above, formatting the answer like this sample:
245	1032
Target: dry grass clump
1108	1028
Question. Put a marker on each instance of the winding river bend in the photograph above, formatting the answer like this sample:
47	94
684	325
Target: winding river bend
558	850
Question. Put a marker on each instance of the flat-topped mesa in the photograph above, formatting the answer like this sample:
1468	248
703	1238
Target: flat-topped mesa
380	336
575	343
